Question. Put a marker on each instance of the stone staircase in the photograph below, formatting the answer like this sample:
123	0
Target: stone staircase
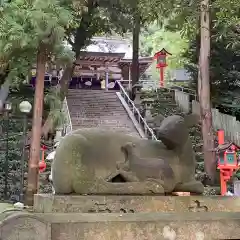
98	108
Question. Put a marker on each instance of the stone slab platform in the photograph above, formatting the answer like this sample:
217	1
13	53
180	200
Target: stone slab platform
144	226
129	226
47	203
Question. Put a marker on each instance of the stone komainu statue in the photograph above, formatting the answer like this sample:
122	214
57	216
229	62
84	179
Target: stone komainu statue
95	161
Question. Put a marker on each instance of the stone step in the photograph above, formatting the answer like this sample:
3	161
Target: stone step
103	123
102	118
95	105
93	117
99	108
100	123
94	102
104	115
87	93
92	91
94	112
92	98
121	130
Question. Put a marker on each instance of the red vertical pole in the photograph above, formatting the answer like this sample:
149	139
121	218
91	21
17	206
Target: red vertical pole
42	163
223	183
43	149
221	137
161	77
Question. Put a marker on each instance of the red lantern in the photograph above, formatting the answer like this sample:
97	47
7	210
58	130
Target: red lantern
42	164
161	63
227	161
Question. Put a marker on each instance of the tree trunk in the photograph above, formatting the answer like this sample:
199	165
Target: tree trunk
5	85
4	91
204	92
135	57
33	163
81	37
64	81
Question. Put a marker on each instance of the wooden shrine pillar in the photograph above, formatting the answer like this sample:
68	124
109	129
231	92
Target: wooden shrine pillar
106	76
129	76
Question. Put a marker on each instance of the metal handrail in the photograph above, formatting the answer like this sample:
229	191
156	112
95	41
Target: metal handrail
167	87
149	84
140	119
184	89
170	87
68	124
154	85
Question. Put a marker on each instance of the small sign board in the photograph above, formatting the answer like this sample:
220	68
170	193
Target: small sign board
236	187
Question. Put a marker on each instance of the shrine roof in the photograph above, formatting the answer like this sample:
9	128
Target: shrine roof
111	45
101	54
99	57
141	60
144	63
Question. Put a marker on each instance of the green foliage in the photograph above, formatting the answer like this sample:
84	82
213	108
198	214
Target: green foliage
156	10
227	14
15	143
24	25
14	155
14	129
156	37
19	68
224	64
224	72
184	15
103	17
53	100
63	55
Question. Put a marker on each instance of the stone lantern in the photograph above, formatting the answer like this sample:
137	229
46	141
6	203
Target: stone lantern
136	89
148	106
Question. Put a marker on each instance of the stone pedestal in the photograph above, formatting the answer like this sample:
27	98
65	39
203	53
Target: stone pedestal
144	226
126	218
47	203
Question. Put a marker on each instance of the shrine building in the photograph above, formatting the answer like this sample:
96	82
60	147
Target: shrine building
104	61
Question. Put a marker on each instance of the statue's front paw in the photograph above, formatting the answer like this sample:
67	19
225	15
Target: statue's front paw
155	187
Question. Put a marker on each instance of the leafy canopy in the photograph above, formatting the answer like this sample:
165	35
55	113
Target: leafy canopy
24	25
